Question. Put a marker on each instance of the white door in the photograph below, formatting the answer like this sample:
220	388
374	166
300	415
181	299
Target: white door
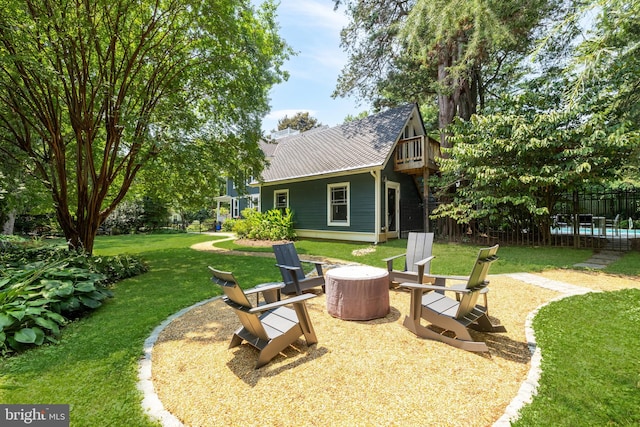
392	209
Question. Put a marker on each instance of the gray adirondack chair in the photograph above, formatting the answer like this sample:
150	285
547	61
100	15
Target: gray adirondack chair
451	314
417	259
270	327
295	280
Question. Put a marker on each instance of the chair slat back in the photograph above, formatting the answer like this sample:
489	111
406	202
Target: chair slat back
237	299
419	247
477	279
286	255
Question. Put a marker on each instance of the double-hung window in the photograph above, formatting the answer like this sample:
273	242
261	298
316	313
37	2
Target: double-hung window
281	200
235	208
338	204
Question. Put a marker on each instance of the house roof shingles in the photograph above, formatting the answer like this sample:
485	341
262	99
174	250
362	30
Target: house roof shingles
355	145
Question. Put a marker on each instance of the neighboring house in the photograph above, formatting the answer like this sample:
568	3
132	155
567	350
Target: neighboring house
239	196
365	180
235	200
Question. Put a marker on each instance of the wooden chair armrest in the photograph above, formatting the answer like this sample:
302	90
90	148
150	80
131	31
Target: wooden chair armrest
434	288
294	277
447	277
270	291
424	261
262	288
288	267
391	258
293	300
389	261
313	262
318	265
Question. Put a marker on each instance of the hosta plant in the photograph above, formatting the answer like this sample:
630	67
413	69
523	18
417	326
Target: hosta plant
37	299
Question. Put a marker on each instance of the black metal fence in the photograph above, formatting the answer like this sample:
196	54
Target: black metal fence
600	219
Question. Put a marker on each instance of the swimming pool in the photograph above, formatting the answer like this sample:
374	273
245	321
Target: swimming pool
597	231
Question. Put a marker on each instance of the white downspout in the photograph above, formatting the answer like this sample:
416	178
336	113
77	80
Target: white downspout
376	176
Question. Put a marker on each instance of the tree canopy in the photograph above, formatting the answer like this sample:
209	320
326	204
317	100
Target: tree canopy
300	121
564	129
91	92
423	50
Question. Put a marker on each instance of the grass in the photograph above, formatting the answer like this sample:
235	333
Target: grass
590	365
450	258
94	368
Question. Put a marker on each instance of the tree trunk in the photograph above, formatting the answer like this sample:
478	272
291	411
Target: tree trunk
7	227
446	100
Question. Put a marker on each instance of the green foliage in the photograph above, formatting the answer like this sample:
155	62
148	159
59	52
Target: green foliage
36	225
300	121
43	287
141	214
156	213
517	162
229	224
103	89
270	225
125	218
39	298
461	51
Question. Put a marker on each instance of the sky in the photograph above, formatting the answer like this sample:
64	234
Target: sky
311	28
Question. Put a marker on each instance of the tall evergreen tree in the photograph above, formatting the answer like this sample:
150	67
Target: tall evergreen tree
445	51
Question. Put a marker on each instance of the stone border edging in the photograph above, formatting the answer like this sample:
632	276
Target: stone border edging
529	387
151	403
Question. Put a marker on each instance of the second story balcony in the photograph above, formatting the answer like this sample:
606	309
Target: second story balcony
412	155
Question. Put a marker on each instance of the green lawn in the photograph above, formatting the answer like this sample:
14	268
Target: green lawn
94	368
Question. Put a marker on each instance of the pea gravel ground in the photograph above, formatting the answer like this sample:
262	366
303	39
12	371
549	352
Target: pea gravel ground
370	373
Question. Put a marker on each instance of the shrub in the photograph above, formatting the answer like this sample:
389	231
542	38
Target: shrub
132	216
271	225
36	300
229	225
42	287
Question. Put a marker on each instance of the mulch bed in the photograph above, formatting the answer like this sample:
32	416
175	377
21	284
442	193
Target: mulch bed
360	373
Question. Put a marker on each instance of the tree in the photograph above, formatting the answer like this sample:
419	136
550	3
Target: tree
352	118
423	50
300	121
606	71
18	192
517	162
90	92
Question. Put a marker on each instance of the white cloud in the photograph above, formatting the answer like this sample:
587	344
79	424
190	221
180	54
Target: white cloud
314	13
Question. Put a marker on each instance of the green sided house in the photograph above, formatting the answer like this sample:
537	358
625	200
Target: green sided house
365	180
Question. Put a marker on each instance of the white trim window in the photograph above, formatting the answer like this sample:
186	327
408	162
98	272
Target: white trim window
338	204
281	200
235	208
254	201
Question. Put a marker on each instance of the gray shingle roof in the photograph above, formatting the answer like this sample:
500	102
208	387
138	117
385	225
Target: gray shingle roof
355	145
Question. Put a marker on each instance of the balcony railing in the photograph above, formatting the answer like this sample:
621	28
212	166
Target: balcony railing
412	154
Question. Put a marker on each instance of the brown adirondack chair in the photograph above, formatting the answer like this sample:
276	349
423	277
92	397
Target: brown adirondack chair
270	327
451	314
295	280
417	259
